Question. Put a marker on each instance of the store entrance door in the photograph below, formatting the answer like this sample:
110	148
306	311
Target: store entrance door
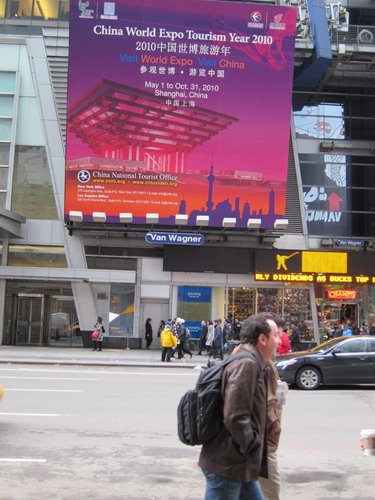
29	323
341	312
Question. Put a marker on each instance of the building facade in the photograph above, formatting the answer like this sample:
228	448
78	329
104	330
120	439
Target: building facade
56	277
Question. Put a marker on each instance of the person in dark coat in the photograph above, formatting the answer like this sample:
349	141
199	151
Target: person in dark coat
218	340
372	329
148	333
295	340
204	331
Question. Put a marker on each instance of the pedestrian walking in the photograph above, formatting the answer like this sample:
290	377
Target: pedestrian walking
168	341
210	338
203	337
284	346
217	343
181	340
148	333
233	461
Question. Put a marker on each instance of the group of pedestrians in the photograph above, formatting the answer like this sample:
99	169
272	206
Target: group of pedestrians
214	336
173	336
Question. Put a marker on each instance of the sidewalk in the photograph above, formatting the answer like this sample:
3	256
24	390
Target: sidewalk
87	357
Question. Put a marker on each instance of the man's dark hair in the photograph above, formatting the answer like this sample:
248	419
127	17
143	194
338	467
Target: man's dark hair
254	326
276	318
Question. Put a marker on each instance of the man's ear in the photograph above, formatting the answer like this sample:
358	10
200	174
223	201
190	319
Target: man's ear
262	339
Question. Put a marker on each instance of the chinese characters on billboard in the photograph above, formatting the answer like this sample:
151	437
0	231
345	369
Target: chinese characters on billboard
179	108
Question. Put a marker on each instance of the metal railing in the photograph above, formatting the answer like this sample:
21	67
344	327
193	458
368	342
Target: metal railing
361	36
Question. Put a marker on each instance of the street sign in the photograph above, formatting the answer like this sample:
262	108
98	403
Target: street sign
174	239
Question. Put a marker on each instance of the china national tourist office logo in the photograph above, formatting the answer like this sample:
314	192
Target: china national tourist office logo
83	176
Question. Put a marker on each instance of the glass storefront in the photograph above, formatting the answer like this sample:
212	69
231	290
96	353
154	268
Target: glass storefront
38	313
339	304
293	304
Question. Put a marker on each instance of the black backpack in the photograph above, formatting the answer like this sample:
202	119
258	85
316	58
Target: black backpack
200	412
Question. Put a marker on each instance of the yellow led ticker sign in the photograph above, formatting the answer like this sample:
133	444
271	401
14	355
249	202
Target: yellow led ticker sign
324	262
317	278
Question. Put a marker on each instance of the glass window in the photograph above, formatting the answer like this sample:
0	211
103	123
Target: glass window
4	154
269	300
19	9
7	82
36	256
241	303
46	9
3	178
6	105
3	197
64	10
32	194
358	345
194	303
296	309
121	315
5	129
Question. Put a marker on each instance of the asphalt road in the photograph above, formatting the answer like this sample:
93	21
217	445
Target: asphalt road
110	433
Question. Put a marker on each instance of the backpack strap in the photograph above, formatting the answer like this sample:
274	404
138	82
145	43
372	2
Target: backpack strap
246	355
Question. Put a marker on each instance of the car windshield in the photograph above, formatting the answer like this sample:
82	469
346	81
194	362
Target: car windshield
328	345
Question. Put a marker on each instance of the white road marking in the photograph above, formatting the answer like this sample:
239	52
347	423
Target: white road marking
97	372
32	460
43	390
48	378
36	414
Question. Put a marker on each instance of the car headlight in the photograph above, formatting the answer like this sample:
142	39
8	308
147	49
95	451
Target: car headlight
287	362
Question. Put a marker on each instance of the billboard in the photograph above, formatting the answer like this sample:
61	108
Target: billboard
179	109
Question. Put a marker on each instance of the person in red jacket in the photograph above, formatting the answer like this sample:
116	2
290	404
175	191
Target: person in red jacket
284	346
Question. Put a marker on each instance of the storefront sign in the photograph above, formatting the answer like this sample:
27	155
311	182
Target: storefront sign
198	294
175	239
172	104
341	294
350	243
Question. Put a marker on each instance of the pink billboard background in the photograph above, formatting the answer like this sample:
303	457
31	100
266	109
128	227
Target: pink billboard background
179	109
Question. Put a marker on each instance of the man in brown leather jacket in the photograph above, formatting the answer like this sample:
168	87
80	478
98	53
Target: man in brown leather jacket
233	461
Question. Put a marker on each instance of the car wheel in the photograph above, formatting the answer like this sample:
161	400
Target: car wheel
308	378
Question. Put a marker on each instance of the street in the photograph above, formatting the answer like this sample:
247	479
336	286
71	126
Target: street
110	433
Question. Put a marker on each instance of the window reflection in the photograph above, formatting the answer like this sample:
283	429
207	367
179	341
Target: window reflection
36	256
32	193
35	9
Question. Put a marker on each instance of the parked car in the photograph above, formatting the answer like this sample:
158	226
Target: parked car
342	360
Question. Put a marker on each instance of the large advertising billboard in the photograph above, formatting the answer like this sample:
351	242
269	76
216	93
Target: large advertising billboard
179	109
